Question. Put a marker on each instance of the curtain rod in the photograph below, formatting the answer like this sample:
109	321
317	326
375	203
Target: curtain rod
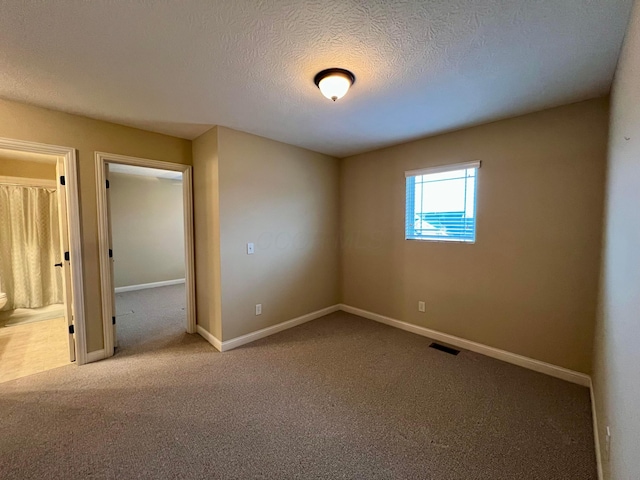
27	182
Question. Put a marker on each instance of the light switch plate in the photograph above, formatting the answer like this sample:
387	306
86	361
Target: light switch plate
250	249
422	307
258	309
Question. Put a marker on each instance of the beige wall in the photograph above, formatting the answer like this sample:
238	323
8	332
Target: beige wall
285	200
617	347
147	228
23	122
206	212
529	283
11	167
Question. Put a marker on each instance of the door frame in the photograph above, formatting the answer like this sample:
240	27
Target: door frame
61	194
75	264
106	279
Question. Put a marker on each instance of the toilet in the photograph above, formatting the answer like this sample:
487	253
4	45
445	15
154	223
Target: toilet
3	300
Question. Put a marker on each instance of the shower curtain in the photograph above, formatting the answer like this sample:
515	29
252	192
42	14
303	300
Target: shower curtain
29	247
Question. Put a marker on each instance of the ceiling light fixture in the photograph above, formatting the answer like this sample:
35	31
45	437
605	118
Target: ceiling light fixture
334	83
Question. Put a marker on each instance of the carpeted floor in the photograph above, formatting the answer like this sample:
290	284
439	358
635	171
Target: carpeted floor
151	319
339	397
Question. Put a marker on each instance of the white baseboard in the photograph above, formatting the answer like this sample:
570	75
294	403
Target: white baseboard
265	332
144	286
217	344
596	432
514	358
95	356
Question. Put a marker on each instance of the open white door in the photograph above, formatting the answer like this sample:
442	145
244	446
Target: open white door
111	260
65	261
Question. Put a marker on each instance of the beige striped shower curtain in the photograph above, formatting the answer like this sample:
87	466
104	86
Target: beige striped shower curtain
29	247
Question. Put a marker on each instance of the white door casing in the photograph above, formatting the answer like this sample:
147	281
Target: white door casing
104	240
74	293
61	191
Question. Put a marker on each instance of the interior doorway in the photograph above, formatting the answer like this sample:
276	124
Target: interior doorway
146	251
39	237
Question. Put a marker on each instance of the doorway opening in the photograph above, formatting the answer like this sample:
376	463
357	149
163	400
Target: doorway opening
146	252
40	260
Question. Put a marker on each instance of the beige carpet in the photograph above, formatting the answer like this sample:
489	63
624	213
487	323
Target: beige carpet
149	320
339	397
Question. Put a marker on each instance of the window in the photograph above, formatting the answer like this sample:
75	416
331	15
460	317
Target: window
441	203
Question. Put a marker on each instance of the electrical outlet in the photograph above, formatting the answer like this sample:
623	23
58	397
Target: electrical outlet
258	309
422	307
250	249
607	444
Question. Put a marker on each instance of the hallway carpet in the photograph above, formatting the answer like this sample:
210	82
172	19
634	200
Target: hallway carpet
150	319
339	397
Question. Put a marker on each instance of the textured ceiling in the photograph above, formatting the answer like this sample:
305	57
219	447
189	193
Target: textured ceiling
422	67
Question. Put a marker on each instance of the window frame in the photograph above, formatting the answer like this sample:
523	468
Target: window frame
410	210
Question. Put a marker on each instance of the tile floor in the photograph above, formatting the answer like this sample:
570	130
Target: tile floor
33	347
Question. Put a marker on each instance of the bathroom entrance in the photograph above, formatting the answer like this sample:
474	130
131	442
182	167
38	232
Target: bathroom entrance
37	331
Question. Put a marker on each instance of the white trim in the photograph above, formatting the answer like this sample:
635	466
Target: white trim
265	332
189	248
443	168
96	356
75	241
28	182
103	253
144	286
217	344
596	431
421	238
107	288
514	358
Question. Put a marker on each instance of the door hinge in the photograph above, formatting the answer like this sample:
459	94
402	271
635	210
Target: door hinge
67	257
62	180
113	320
71	330
110	253
107	183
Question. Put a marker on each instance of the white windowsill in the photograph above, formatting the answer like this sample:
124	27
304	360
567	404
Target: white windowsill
441	240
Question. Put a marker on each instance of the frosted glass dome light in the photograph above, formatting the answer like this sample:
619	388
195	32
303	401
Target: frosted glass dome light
334	83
